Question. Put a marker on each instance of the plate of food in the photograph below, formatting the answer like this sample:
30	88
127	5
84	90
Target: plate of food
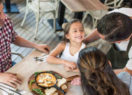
48	83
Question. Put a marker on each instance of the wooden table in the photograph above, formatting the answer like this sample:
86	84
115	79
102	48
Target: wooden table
28	66
84	5
78	6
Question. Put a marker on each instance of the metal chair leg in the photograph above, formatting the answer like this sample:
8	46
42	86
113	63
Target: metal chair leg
17	54
25	16
84	18
54	22
37	24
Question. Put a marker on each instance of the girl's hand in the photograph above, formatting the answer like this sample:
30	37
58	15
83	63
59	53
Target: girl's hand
70	70
76	81
44	48
67	69
10	79
71	65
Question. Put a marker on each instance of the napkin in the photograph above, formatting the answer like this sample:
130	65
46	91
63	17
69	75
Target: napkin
7	90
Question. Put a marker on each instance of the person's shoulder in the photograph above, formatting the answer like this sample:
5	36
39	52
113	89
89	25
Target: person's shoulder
62	44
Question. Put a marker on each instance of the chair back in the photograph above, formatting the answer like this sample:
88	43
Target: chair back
113	4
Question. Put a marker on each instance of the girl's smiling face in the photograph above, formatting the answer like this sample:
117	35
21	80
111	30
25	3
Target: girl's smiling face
76	33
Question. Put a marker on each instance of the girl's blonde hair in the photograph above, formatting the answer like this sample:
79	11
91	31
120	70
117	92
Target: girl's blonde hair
97	76
66	28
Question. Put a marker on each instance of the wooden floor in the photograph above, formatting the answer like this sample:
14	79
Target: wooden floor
45	34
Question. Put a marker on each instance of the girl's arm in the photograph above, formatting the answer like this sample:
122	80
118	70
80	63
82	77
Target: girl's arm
52	58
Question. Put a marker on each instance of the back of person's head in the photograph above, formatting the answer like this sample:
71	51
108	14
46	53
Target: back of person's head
115	27
97	76
66	28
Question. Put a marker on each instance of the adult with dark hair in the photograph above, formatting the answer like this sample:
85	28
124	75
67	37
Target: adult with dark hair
97	76
116	28
8	36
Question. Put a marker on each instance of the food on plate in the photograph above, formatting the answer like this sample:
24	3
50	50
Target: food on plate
46	79
51	91
38	91
64	87
48	83
60	82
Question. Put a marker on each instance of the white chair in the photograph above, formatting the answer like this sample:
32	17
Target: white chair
96	15
40	8
20	55
123	10
113	4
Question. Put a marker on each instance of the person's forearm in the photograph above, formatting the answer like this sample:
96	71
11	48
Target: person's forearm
117	71
24	43
128	70
92	37
54	60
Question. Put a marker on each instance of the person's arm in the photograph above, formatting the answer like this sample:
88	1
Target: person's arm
117	71
25	43
92	37
10	79
128	67
128	70
52	58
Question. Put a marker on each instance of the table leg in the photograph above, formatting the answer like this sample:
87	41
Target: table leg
10	8
60	20
61	13
78	15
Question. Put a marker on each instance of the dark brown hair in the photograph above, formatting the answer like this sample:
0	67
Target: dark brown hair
66	28
97	76
115	27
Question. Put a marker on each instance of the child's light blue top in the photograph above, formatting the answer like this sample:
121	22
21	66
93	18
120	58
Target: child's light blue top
127	79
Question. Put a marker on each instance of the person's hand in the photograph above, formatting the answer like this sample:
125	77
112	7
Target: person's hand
44	48
76	81
67	69
10	79
70	65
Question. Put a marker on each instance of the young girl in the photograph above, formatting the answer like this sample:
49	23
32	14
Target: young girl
70	47
97	76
